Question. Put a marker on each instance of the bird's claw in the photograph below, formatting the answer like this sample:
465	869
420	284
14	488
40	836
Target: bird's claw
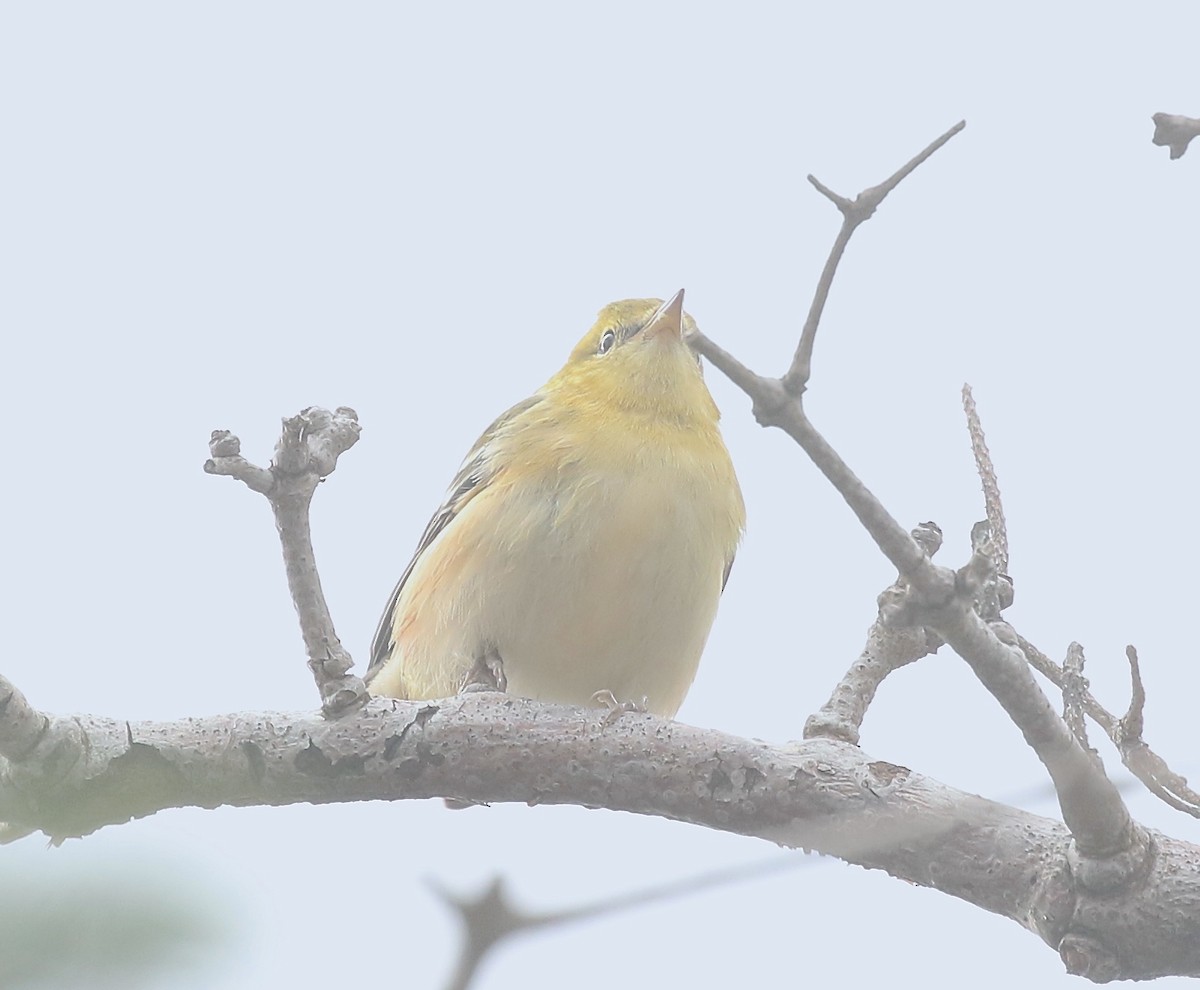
486	674
606	699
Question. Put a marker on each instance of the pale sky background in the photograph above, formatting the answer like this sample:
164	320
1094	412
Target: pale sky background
213	215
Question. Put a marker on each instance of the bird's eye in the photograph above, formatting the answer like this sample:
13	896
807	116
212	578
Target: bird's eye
607	341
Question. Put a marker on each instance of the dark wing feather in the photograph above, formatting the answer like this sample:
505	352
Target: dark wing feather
476	471
725	576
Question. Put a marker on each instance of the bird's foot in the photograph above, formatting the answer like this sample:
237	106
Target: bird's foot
486	674
606	699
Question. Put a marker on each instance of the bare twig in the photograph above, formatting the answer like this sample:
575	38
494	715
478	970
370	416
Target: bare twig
1142	761
486	920
991	486
891	644
986	573
490	917
1092	807
1175	132
854	212
1134	721
886	650
305	455
1075	685
1125	733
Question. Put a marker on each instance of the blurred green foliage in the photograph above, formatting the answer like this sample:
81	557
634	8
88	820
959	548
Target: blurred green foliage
117	926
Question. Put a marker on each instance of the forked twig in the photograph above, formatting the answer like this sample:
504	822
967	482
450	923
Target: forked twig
1125	732
854	212
306	454
490	917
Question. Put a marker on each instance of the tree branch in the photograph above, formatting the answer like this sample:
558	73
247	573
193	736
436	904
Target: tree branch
22	726
890	646
490	917
305	455
819	794
1175	132
991	484
854	212
1125	732
942	600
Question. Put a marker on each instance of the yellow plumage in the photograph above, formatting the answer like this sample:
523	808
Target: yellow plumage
586	539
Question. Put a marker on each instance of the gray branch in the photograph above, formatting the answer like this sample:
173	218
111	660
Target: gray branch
305	455
987	477
941	599
820	794
1175	132
1125	732
490	917
854	212
890	646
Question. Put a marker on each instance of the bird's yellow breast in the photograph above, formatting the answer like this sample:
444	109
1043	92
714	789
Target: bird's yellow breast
583	573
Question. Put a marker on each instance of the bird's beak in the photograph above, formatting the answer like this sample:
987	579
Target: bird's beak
668	319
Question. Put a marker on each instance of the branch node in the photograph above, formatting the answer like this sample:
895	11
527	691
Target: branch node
828	724
227	460
341	691
223	443
928	536
1107	874
1175	132
312	440
1087	957
989	591
841	202
772	399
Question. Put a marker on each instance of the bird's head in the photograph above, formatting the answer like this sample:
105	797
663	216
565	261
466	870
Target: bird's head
636	358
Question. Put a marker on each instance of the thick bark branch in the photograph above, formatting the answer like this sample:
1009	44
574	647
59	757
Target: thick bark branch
820	794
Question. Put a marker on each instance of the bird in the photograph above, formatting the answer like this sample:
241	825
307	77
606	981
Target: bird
583	546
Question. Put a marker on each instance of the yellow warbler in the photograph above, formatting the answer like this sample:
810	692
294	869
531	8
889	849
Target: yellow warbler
586	539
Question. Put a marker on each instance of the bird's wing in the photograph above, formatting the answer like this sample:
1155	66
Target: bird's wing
477	470
728	568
